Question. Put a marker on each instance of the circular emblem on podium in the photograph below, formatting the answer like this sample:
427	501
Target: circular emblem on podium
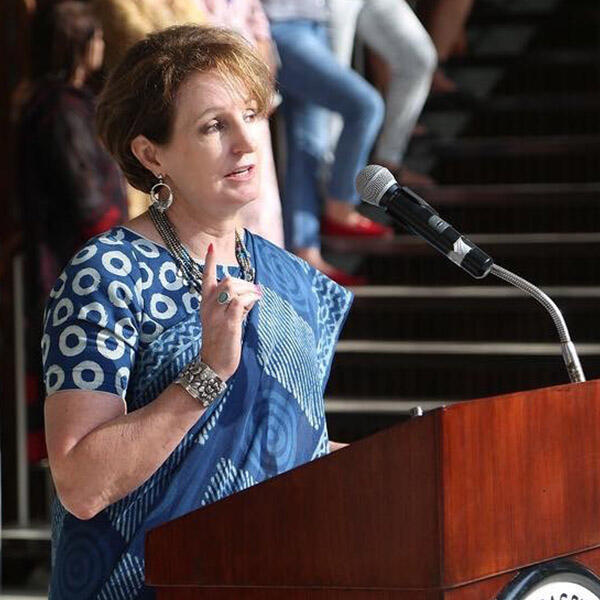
556	580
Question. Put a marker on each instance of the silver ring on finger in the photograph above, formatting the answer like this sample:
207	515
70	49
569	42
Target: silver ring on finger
224	298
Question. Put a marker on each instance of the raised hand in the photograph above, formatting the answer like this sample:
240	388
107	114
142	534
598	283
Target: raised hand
222	323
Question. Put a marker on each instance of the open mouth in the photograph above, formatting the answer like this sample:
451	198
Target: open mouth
241	172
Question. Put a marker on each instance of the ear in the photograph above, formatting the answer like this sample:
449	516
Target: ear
147	153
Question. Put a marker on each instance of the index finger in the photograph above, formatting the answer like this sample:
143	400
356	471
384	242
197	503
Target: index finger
209	276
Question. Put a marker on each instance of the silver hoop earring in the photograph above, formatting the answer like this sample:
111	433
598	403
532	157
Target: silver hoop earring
161	204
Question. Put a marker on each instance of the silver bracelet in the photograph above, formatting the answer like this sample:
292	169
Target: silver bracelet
201	382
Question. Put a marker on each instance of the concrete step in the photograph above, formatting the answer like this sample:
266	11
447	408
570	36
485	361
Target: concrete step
22	595
544	259
505	47
577	72
512	11
469	313
575	25
350	419
514	160
14	532
535	115
520	208
374	369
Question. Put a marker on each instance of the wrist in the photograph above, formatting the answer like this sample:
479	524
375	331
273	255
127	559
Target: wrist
213	365
202	383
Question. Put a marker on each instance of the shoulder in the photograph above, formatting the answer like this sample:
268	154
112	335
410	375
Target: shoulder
116	260
268	251
121	240
113	12
103	264
289	274
67	104
48	102
114	252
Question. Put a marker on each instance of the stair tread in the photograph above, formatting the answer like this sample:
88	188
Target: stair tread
433	292
507	243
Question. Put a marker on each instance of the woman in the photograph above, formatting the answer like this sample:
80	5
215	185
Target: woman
126	22
66	179
173	384
76	191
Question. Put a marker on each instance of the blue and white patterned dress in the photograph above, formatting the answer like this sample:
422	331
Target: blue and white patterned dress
120	320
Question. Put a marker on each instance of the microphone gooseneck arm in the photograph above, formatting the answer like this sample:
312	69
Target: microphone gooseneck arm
569	353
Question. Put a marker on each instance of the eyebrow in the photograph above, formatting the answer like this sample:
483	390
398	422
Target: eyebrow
221	108
210	109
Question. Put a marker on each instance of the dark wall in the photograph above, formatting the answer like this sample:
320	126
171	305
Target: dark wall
13	68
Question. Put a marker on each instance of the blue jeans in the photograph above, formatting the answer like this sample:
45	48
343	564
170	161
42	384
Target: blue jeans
311	80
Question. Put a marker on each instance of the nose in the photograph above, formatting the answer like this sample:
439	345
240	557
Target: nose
244	138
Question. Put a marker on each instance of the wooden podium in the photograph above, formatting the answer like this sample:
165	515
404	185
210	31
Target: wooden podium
448	505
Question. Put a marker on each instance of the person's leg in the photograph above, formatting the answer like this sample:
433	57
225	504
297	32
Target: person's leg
308	70
342	29
305	151
393	30
306	140
362	111
444	20
312	74
301	196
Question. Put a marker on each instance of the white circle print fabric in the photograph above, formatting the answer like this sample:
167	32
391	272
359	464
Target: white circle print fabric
119	295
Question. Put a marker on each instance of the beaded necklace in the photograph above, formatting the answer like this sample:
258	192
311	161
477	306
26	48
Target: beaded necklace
188	269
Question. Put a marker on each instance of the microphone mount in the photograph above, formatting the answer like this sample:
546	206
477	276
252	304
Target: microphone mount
569	353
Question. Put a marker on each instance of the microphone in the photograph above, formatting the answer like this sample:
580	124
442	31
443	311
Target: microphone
376	185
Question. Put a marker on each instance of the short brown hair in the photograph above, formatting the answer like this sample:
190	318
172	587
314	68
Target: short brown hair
139	96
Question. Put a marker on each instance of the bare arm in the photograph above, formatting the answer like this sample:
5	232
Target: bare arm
98	454
333	446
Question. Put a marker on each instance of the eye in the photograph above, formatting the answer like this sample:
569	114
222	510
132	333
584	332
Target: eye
213	126
250	115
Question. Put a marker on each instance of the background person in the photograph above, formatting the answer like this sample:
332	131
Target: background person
68	186
313	82
391	28
445	21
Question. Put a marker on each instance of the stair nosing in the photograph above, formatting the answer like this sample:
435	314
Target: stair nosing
457	348
338	405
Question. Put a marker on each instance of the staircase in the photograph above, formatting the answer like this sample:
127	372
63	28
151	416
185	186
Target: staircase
519	173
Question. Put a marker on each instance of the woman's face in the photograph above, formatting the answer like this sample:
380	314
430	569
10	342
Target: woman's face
212	160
